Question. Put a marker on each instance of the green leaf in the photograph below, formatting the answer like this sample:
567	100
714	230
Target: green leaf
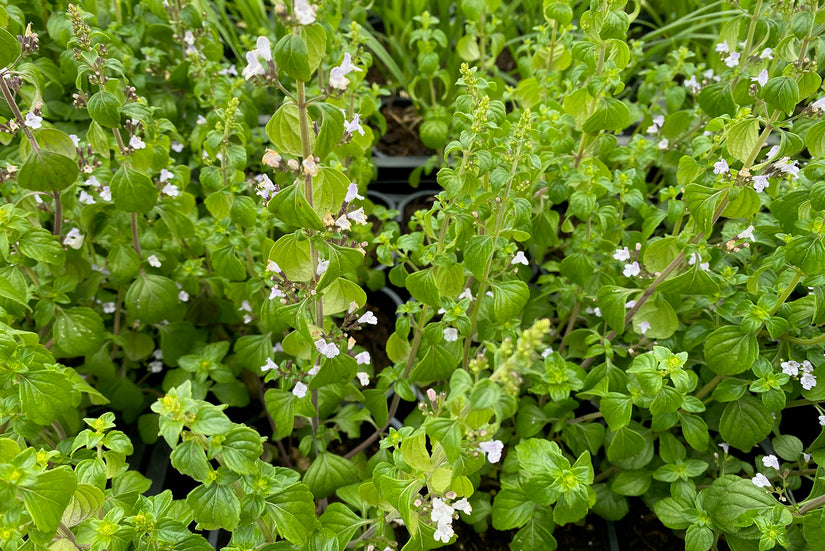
612	300
99	140
446	432
45	395
781	93
47	497
716	100
577	267
658	312
316	41
673	512
730	350
745	422
536	534
253	350
9	48
478	253
616	409
47	171
340	294
227	263
104	108
293	509
283	130
698	538
40	245
342	521
807	253
625	444
422	287
133	191
152	298
509	298
742	203
467	48
292	56
730	497
327	473
78	331
742	138
215	506
610	114
703	203
281	406
293	257
291	207
695	431
815	139
86	502
511	509
189	458
631	483
695	281
241	449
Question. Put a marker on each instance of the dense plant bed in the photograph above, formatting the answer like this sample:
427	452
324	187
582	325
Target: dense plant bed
598	326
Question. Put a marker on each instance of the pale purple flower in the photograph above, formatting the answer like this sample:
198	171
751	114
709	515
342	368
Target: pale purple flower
109	307
466	293
201	120
492	449
818	105
269	365
692	85
694	258
464	506
136	143
520	259
787	166
443	533
354	126
725	447
747	233
272	266
790	368
597	311
229	71
263	48
644	326
761	481
183	296
368	318
157	354
663	144
760	182
761	78
722	47
767	53
106	193
631	270
721	167
807	366
85	198
253	67
732	60
245	306
75	139
343	223
300	390
92	181
547	351
352	193
33	121
322	267
338	75
772	152
450	334
166	175
822	420
177	147
171	190
363	378
808	381
74	239
265	188
155	366
771	461
622	254
362	358
329	350
304	12
358	216
276	293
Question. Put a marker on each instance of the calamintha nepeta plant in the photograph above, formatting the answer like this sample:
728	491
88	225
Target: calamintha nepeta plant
617	291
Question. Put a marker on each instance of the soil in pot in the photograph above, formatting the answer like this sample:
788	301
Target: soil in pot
401	138
641	530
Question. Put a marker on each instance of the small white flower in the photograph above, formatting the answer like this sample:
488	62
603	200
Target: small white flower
330	350
269	365
721	167
353	126
464	506
343	223
189	38
363	378
725	447
156	366
821	421
760	182
694	258
177	147
314	371
520	259
787	166
492	449
276	293
310	167
337	76
74	239
157	354
450	334
33	121
546	352
622	254
806	457
245	306
663	144
368	318
247	318
322	267
304	12
771	461
466	293
263	48
153	261
747	233
166	175
767	53
762	78
358	216
292	164
75	140
183	296
722	47
300	389
644	326
808	381
106	193
630	304
229	71
442	513
732	60
265	188
136	143
692	85
761	481
807	366
443	533
631	270
818	105
597	311
85	198
109	307
200	120
92	181
352	193
362	358
171	190
790	368
272	266
772	152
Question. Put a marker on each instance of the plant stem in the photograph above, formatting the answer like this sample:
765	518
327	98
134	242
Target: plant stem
135	237
804	342
17	114
570	323
786	293
705	390
811	505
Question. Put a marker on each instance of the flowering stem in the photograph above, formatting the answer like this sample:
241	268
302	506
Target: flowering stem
804	342
135	238
788	290
760	141
705	390
17	114
751	31
58	213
